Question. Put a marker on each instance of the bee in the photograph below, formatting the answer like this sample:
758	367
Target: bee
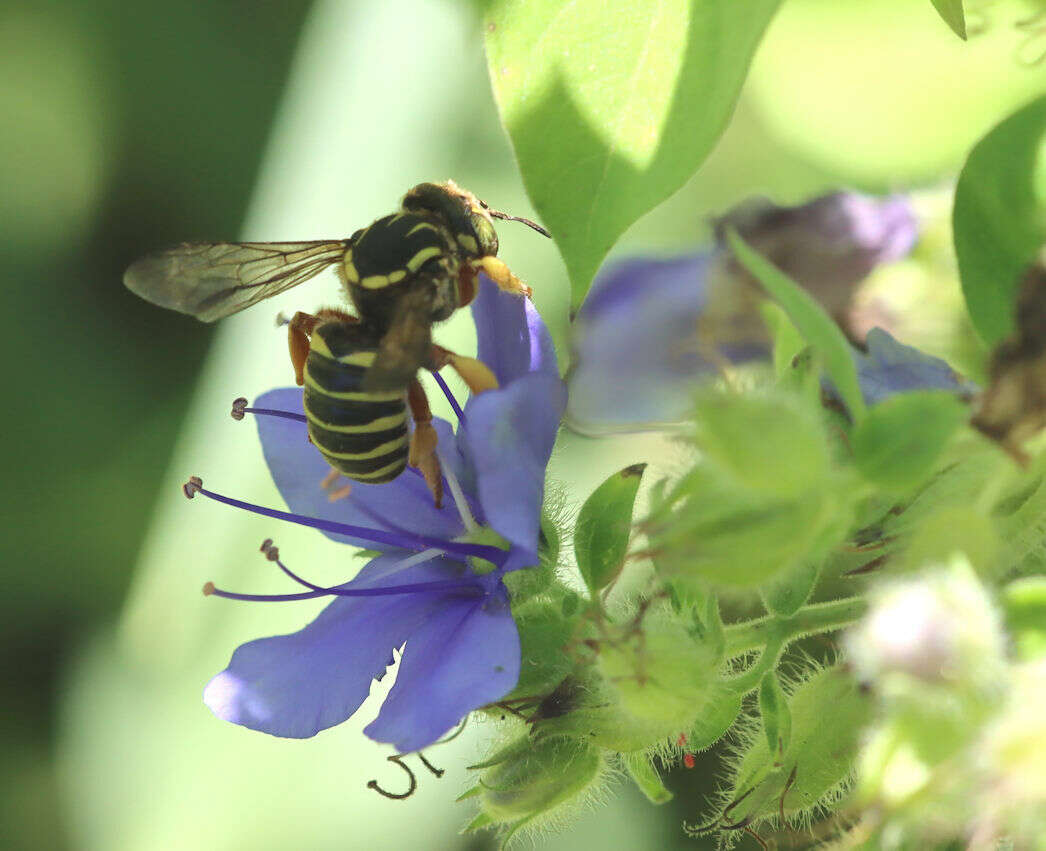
401	274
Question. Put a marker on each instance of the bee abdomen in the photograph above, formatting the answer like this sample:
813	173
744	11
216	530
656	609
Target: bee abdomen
362	434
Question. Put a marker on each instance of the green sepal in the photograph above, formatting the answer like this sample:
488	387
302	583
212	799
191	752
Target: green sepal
771	443
1024	602
481	821
898	444
785	593
716	713
471	793
544	631
777	718
645	776
809	318
952	14
999	217
604	526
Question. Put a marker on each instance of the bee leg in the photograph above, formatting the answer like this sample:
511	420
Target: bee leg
300	328
473	372
423	441
331	479
501	275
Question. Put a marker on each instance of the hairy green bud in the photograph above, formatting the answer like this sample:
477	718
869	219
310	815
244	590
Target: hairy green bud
660	669
827	713
528	779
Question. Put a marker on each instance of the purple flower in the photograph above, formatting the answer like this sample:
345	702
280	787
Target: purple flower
649	328
437	586
889	367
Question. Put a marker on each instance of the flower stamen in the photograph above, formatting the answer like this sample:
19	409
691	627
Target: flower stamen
458	495
239	408
402	540
450	396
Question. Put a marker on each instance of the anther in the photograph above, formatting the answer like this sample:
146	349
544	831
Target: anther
208	589
270	550
238	408
688	760
192	487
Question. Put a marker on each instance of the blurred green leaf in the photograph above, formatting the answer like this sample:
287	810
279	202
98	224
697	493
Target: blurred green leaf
612	106
952	13
1024	602
777	718
811	320
772	444
604	525
645	776
898	443
999	218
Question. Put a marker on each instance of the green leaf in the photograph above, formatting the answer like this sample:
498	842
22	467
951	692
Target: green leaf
811	320
604	525
612	106
777	718
770	443
952	13
999	218
899	442
642	771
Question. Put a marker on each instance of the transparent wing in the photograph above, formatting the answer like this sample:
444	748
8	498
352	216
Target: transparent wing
407	344
210	280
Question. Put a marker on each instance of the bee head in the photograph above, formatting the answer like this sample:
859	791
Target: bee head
465	214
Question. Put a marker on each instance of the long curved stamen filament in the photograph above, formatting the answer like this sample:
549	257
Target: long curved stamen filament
458	494
209	589
408	541
239	408
450	396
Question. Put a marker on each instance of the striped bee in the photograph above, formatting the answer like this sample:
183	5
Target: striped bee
404	272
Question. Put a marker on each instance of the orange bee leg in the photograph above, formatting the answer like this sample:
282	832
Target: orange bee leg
423	441
476	374
300	329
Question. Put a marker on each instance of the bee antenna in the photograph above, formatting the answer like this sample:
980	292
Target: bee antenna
497	214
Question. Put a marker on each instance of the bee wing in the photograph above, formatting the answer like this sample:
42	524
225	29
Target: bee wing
210	280
407	344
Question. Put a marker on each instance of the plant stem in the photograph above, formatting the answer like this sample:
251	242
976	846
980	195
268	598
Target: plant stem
809	620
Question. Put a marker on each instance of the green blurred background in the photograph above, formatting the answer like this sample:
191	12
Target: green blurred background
126	127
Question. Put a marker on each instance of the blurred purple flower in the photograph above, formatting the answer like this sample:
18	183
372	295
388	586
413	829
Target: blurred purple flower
889	367
436	585
648	328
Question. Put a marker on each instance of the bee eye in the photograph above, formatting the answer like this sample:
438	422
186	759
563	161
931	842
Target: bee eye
486	236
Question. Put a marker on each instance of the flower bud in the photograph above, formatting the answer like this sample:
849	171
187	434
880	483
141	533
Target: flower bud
827	712
940	629
661	670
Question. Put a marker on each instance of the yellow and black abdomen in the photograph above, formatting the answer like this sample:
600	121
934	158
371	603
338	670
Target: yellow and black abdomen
362	434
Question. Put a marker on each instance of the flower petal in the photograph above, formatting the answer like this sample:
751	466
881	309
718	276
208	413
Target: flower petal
508	436
637	356
465	656
511	337
296	685
829	244
891	367
298	468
